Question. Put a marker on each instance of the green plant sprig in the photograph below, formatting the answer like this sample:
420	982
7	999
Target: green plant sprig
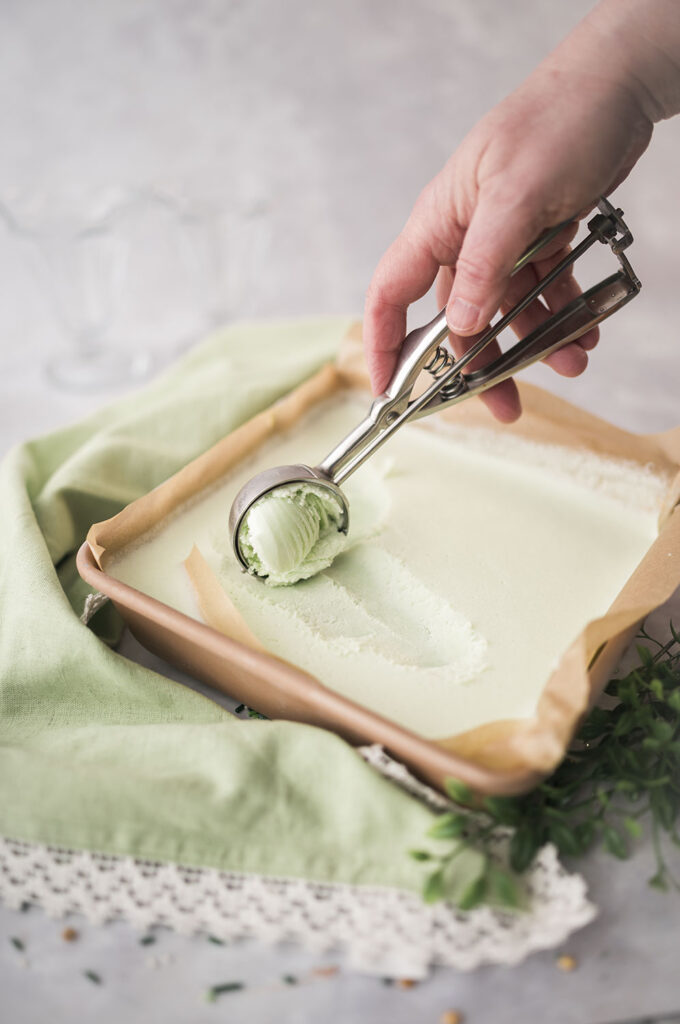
623	767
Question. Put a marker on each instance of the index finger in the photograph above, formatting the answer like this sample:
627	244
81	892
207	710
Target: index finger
405	273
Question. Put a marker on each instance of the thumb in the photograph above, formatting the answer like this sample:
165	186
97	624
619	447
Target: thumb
497	236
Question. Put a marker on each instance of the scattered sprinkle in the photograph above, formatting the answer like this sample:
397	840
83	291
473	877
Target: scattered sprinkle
405	983
69	935
215	941
325	972
93	977
451	1017
290	979
217	990
566	963
147	940
17	943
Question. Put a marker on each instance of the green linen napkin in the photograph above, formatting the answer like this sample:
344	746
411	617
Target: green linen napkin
98	753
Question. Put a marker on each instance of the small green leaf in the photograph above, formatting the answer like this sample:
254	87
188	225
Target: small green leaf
524	846
473	895
448	826
597	724
420	855
502	887
564	839
644	655
658	881
585	833
632	826
458	791
656	686
503	809
673	699
433	889
664	807
662	730
614	842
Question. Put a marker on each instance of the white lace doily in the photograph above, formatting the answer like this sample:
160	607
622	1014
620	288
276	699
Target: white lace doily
382	930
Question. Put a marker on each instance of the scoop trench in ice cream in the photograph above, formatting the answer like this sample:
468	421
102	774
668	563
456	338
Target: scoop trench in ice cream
292	533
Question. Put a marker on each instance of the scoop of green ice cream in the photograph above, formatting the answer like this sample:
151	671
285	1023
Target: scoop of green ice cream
292	532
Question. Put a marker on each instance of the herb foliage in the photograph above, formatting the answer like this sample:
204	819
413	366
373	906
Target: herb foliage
622	770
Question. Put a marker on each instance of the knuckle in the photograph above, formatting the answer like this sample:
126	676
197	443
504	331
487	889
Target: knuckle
506	192
478	268
377	291
379	300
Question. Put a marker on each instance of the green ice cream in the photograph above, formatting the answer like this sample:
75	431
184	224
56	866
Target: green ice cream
292	533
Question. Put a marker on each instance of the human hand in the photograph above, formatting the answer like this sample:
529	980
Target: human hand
570	133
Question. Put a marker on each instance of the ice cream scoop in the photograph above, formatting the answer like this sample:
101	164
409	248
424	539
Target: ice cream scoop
280	543
294	531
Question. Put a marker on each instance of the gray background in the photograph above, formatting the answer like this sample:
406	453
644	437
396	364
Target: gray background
306	132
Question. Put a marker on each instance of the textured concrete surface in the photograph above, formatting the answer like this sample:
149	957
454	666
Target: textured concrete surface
303	132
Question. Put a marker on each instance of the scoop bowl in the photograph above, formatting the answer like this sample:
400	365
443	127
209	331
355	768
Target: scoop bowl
269	480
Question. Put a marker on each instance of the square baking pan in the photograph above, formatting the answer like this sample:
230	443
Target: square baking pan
502	758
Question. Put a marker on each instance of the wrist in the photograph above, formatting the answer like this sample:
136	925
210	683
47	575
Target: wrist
632	47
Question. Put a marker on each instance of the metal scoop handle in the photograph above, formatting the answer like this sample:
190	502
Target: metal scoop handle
421	348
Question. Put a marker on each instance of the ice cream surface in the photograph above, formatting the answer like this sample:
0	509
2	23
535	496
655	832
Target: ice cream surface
292	533
473	560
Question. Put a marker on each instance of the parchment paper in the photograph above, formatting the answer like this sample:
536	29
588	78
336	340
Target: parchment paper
533	745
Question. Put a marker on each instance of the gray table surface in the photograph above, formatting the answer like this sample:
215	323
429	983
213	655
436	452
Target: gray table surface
307	130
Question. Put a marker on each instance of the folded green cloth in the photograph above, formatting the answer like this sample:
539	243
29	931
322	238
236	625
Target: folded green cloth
98	753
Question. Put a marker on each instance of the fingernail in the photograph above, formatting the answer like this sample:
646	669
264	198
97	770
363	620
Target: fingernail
462	315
